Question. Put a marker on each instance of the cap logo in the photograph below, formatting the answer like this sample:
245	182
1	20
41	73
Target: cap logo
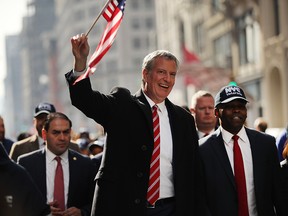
45	107
232	90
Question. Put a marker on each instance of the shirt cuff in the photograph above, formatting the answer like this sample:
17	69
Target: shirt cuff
78	73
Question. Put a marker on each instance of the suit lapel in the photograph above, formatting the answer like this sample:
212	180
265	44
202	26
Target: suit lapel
221	153
73	173
145	107
42	172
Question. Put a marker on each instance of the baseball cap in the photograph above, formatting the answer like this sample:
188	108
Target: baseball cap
44	108
99	143
229	93
82	143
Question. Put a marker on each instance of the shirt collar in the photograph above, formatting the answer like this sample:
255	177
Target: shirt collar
161	106
51	156
227	136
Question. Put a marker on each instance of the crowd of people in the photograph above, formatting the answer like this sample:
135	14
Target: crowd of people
174	161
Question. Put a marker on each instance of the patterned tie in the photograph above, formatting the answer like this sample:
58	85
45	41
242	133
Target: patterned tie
59	185
240	179
154	179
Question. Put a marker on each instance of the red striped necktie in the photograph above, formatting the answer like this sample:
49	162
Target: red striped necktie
59	185
240	179
154	179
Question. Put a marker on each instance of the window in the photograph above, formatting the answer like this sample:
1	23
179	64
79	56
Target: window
149	23
222	51
248	39
135	23
136	43
199	38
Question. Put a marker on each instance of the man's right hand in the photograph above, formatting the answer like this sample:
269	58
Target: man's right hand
80	50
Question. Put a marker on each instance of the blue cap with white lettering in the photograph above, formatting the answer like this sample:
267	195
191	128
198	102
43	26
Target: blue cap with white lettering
229	93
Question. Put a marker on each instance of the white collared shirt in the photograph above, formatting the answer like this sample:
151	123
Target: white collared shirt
244	145
166	151
51	165
41	142
201	134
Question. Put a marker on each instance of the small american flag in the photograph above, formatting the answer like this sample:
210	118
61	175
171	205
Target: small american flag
114	15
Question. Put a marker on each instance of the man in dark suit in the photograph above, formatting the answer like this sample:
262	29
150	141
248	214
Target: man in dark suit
78	170
262	193
202	108
7	143
36	141
122	181
18	193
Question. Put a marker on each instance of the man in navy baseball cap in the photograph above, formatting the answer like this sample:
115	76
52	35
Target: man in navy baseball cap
229	93
46	108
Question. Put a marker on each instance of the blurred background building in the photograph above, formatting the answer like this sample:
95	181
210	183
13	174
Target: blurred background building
217	42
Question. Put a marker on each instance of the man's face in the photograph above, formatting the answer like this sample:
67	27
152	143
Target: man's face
58	136
233	115
160	80
38	123
204	113
2	129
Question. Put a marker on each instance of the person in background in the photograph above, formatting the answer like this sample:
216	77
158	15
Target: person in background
96	151
78	170
202	108
280	142
85	133
127	120
23	135
83	145
259	190
284	167
260	124
36	141
19	195
7	143
97	146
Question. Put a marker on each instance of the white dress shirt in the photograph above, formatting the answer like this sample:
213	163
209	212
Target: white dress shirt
244	145
51	165
41	142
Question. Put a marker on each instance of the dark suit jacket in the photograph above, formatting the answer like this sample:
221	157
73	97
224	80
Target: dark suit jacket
31	144
81	180
122	180
97	160
18	193
219	178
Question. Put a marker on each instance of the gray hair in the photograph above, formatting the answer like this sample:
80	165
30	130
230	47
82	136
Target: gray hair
149	60
197	95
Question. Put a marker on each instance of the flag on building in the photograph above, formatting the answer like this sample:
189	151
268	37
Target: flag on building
113	14
189	57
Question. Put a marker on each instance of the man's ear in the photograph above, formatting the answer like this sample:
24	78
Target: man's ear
216	112
44	134
144	74
192	110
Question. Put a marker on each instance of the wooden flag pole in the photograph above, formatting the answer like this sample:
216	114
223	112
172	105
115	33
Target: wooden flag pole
97	18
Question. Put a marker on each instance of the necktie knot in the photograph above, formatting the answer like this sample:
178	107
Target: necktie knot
154	108
235	138
206	134
58	159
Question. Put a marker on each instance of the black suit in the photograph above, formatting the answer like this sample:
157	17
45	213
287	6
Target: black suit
122	180
219	178
81	179
19	196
